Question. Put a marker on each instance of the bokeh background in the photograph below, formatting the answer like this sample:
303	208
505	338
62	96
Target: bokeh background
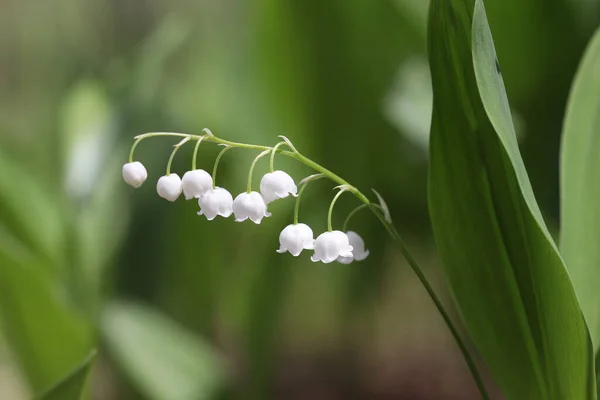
182	308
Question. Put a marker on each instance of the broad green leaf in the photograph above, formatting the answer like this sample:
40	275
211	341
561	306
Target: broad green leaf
29	212
46	335
72	386
504	270
165	361
580	188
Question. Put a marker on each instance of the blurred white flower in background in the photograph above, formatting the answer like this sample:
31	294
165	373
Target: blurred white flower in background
359	252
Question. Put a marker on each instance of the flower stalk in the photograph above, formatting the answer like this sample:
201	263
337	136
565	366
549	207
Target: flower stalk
330	213
380	212
216	166
258	157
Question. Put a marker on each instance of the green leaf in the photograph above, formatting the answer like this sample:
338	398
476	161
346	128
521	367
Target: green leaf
47	336
580	188
504	269
29	212
73	385
165	361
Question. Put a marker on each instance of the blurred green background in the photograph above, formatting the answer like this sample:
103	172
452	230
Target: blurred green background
182	308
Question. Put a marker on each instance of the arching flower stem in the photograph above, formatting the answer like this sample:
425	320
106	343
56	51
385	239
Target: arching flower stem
273	152
374	208
258	157
355	211
175	150
292	154
303	184
195	156
414	265
135	144
217	161
335	199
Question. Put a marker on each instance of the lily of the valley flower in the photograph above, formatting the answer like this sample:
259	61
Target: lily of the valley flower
250	205
216	202
196	183
358	253
277	185
296	237
169	187
331	245
134	173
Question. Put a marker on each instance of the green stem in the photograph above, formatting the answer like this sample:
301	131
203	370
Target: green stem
330	213
297	205
272	161
436	301
388	226
135	144
217	161
356	210
258	157
303	184
196	152
175	150
295	155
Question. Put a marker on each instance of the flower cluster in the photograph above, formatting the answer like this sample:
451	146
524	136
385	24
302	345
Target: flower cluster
333	245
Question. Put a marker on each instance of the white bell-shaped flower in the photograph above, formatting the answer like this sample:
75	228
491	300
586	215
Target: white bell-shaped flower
196	183
331	245
359	252
134	173
217	201
296	237
169	187
277	185
250	205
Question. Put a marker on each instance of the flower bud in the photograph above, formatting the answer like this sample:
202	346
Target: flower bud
250	205
331	245
294	238
358	253
134	173
217	201
196	183
169	187
277	185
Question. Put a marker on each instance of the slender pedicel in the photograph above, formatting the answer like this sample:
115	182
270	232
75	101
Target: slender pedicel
217	161
258	157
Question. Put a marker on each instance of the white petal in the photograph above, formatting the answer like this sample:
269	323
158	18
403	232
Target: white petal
196	183
358	244
361	256
250	205
276	185
134	173
169	187
216	202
